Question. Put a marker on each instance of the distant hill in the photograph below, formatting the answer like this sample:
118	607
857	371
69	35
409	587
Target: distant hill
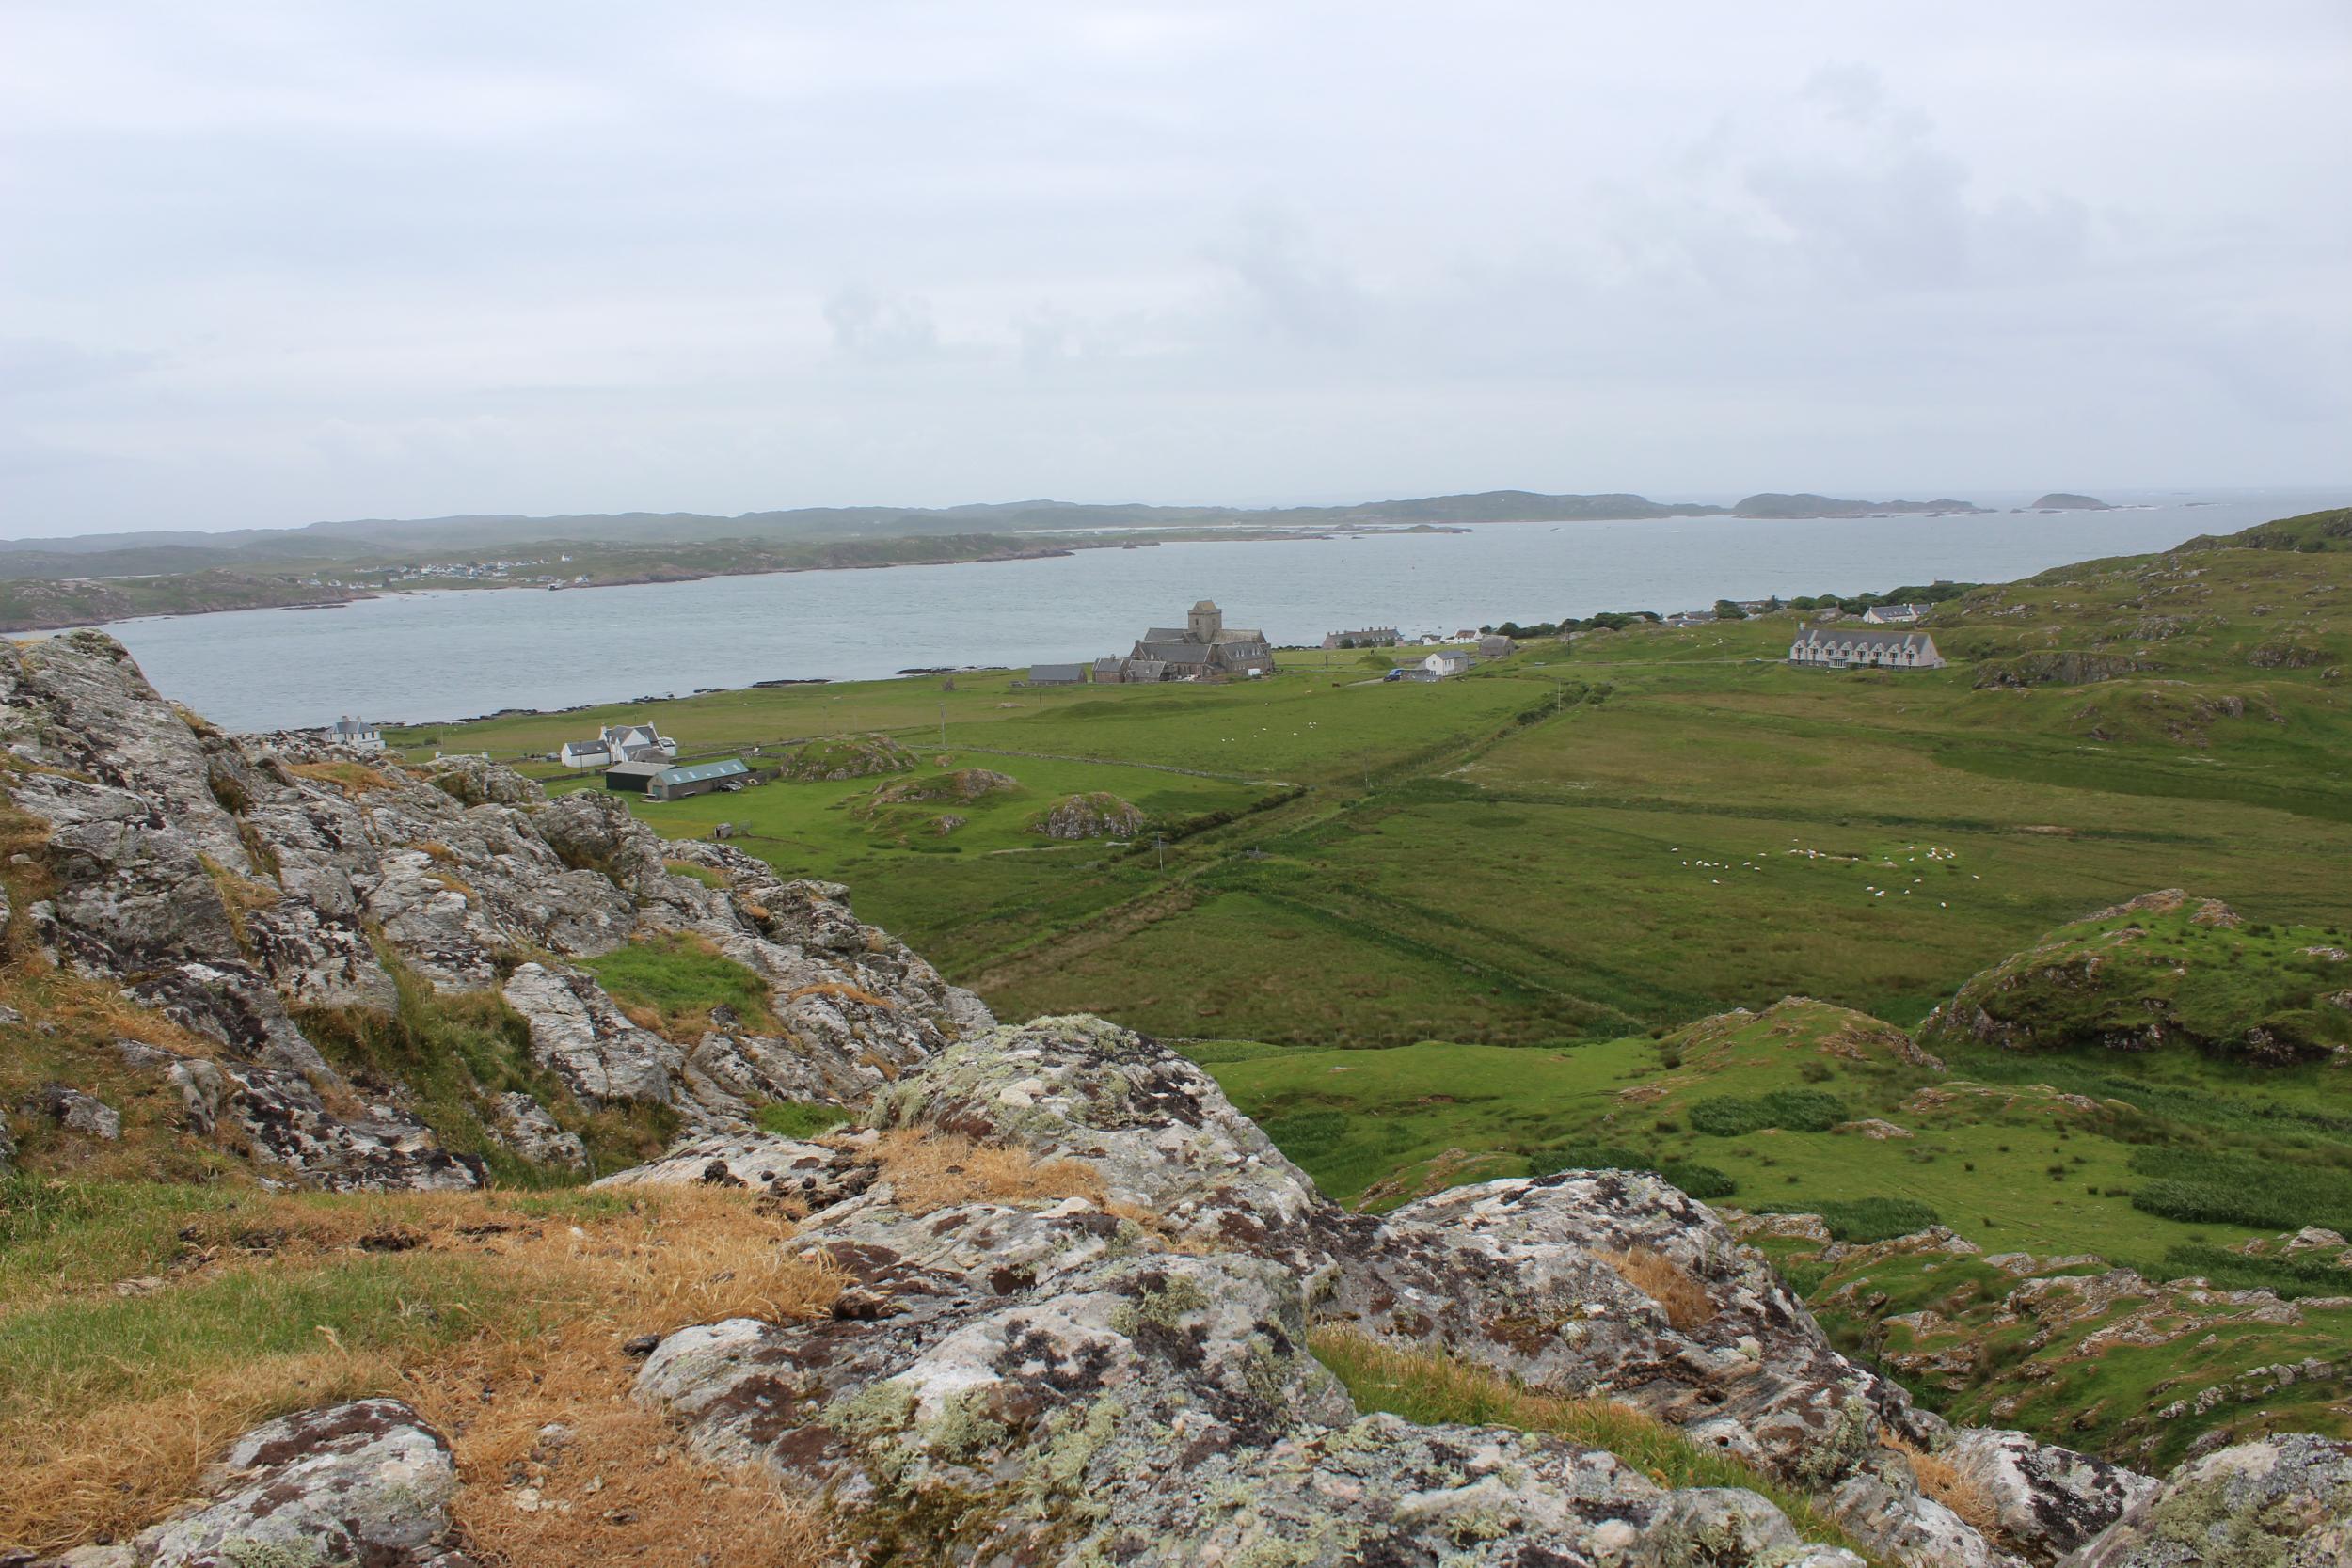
383	538
2312	532
2062	501
1806	504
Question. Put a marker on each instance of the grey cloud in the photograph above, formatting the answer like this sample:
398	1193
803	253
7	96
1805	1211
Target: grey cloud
274	263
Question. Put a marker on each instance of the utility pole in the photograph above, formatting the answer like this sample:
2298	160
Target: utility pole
1161	844
943	726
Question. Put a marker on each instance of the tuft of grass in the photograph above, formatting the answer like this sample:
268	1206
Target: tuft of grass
1431	1388
456	1053
793	1118
931	1171
1660	1278
678	979
1864	1219
355	779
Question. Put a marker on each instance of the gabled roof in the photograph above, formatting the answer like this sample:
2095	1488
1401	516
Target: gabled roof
1178	651
701	770
1863	637
1167	634
1056	671
637	770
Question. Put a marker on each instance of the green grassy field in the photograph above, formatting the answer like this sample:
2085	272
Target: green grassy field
1637	828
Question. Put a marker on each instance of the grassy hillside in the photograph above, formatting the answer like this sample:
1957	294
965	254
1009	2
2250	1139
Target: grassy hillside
1637	828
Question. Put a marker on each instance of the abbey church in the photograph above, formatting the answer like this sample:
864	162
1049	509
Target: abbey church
1205	648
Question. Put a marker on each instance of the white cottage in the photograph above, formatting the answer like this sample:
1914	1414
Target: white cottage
1837	648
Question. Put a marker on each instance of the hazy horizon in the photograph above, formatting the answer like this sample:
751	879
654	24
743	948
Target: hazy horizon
274	264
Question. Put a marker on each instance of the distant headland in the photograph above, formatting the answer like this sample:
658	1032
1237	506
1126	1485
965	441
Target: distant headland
88	579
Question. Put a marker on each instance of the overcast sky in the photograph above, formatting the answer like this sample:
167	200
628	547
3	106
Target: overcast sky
262	264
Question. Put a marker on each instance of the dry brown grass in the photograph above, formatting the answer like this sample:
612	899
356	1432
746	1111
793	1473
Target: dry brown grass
929	1170
241	893
354	779
1939	1480
621	1488
1660	1278
91	1012
842	990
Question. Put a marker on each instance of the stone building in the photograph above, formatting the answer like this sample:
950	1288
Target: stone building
1840	649
1203	648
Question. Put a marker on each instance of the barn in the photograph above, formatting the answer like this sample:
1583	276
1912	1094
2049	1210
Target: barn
635	777
676	783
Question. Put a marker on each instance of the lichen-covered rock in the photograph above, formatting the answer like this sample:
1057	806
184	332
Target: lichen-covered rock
231	1002
524	1127
1519	1274
1155	1126
78	702
132	889
581	1033
815	1176
2049	1499
2282	1502
1150	1408
318	960
75	1111
366	1485
1096	814
281	1120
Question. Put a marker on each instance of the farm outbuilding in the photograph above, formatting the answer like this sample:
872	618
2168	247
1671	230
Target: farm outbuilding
636	777
676	783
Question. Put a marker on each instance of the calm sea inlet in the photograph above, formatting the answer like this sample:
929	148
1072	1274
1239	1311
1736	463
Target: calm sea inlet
438	655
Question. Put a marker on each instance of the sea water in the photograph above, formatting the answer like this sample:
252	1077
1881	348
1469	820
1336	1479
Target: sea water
455	653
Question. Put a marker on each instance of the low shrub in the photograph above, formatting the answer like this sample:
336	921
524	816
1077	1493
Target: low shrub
794	1118
2222	1189
1864	1219
2306	1275
1791	1110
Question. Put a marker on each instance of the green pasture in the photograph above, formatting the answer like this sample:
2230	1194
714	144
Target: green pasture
1630	830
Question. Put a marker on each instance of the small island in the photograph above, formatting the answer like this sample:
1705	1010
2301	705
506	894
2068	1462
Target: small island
2060	501
1806	504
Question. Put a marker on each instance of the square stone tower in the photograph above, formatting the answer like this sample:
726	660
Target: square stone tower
1204	621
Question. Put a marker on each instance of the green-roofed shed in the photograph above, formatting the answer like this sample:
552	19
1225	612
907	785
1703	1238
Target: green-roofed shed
701	777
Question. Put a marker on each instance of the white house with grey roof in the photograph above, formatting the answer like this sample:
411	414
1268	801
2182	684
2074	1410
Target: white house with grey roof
619	743
1896	614
358	733
1837	648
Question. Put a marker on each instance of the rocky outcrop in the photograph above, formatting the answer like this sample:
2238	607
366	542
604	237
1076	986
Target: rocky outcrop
228	883
75	1112
1614	1284
2282	1502
360	1485
959	784
524	1126
1154	1126
1097	814
2049	1500
2056	668
812	1176
1072	1377
281	1121
860	756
